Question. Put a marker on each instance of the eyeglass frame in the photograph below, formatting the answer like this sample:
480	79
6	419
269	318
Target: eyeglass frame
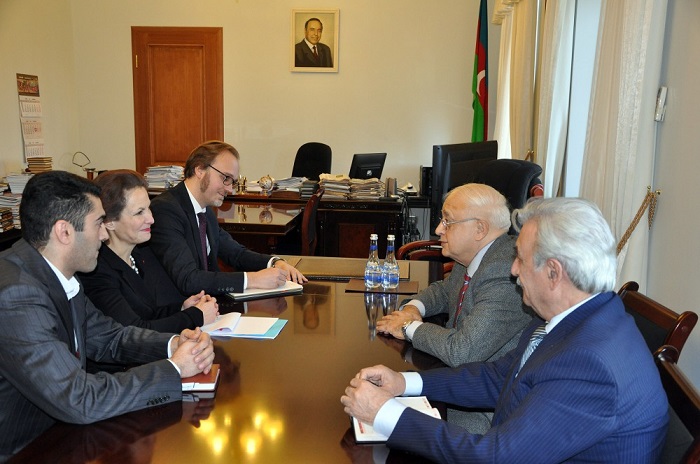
233	182
446	224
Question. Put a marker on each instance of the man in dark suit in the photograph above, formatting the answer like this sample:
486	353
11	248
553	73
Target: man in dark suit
310	52
211	172
581	387
49	328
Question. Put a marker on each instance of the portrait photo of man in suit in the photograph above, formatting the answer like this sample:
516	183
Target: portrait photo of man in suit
581	384
314	35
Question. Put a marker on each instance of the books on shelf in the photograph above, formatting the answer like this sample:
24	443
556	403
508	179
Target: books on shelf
202	382
289	288
236	326
365	433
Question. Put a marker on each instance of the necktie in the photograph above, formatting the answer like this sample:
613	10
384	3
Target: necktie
202	217
465	286
535	340
315	52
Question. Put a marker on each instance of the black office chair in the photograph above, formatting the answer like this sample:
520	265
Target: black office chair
516	179
308	224
658	324
312	160
683	435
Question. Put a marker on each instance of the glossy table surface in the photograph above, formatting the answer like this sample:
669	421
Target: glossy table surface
257	218
277	401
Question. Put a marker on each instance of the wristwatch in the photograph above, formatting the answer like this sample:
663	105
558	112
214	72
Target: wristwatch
274	260
404	327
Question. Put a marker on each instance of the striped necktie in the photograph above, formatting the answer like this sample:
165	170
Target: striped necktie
465	286
535	340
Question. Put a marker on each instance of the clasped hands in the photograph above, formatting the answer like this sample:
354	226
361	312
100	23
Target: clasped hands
393	322
205	303
369	390
193	352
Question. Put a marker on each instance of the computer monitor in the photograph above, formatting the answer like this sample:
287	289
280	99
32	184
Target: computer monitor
454	165
367	165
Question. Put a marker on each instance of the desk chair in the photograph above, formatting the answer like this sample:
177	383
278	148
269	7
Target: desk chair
683	435
517	180
658	324
312	160
426	250
308	224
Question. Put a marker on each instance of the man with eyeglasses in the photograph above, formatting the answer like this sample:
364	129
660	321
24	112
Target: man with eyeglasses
484	309
187	239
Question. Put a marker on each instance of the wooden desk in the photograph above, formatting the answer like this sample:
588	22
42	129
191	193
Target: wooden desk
257	226
278	400
344	226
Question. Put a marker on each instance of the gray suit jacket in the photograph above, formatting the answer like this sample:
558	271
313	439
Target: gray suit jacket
493	314
42	376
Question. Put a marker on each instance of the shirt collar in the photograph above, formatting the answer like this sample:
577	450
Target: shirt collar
195	204
560	317
70	286
474	265
311	46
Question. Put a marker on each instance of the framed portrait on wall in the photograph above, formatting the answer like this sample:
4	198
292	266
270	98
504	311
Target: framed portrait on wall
314	41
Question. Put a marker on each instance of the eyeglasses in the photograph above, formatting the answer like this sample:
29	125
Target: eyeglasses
228	180
446	224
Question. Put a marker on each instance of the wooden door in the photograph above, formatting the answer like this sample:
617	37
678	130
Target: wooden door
178	91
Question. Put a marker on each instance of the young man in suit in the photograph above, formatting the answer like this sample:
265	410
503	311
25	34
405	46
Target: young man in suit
581	387
49	328
211	172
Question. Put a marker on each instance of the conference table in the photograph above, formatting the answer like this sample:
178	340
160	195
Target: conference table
278	401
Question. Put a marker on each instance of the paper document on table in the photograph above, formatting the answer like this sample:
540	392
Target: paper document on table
365	433
289	288
235	325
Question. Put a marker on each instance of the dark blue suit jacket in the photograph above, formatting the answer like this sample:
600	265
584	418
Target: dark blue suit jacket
175	242
589	393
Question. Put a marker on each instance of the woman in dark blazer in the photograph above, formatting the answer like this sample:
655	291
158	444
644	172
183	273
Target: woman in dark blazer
129	283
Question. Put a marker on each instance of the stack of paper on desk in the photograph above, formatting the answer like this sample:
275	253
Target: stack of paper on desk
365	433
235	325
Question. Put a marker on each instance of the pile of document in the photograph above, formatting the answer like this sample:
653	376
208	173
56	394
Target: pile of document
290	184
336	185
12	200
366	189
308	188
18	181
39	164
163	176
6	219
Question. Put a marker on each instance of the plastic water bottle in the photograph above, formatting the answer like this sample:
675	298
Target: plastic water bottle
390	270
373	272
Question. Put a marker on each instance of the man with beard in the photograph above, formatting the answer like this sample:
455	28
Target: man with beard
188	241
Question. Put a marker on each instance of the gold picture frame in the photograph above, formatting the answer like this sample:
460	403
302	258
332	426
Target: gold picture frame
307	25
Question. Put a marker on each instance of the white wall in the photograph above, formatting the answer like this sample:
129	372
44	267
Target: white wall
675	250
36	38
404	80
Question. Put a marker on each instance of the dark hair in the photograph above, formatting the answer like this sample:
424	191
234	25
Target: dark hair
306	24
53	196
204	155
114	185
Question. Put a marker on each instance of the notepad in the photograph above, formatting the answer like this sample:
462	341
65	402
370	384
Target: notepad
289	288
235	325
202	382
365	433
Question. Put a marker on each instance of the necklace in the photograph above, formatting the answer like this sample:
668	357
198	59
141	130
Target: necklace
133	264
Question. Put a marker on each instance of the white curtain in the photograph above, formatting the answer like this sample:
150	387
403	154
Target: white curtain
515	94
557	37
620	141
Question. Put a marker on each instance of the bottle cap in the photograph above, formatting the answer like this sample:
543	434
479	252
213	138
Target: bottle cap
373	237
390	237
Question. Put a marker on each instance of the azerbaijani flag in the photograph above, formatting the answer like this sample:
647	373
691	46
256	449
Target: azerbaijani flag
480	91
